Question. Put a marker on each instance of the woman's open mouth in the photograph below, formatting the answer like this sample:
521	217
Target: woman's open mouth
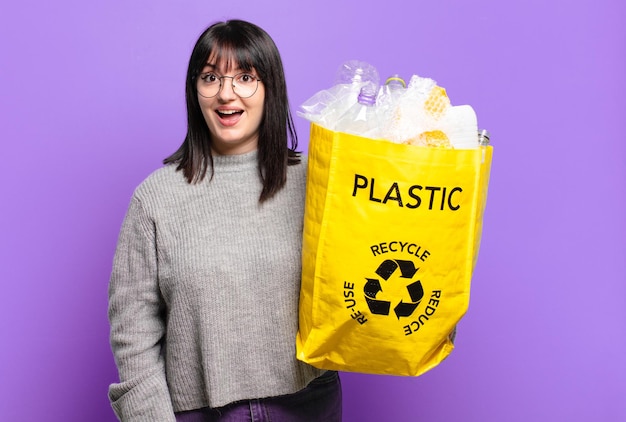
229	117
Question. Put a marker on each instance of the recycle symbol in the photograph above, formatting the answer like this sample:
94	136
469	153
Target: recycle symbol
385	271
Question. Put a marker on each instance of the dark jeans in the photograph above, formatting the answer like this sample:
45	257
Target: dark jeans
320	401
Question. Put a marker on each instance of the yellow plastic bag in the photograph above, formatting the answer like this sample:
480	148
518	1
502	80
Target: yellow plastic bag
391	237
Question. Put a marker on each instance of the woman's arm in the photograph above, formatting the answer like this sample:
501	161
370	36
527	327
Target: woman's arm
138	324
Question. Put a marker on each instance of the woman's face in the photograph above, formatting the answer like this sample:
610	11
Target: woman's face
232	121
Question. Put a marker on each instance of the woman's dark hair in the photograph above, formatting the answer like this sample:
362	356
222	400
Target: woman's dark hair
249	47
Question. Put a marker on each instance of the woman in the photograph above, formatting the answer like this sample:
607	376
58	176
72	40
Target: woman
203	297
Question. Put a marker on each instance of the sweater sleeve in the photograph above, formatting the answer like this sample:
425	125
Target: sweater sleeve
137	324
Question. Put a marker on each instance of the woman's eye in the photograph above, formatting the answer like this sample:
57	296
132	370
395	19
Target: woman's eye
246	78
209	77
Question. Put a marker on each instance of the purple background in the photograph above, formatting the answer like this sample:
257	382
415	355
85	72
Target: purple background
92	100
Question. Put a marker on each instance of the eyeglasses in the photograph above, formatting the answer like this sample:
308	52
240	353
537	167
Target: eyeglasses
244	84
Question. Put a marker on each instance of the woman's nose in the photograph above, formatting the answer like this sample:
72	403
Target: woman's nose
226	91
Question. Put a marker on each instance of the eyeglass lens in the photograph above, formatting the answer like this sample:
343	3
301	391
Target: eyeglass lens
243	84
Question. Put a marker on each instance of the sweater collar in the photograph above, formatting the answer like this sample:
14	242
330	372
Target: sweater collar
235	161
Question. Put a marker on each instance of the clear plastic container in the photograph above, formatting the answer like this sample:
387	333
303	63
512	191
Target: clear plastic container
389	98
362	118
356	72
327	106
394	87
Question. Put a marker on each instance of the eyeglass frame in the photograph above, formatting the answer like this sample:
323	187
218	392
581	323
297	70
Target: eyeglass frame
232	83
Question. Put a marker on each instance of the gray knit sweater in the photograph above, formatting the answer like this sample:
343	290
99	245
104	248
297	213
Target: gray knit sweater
203	296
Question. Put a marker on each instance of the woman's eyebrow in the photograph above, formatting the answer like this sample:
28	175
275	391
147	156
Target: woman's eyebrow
213	67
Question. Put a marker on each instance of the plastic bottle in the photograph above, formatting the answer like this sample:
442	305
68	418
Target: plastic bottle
483	137
394	86
350	77
388	99
356	72
362	118
391	92
328	105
